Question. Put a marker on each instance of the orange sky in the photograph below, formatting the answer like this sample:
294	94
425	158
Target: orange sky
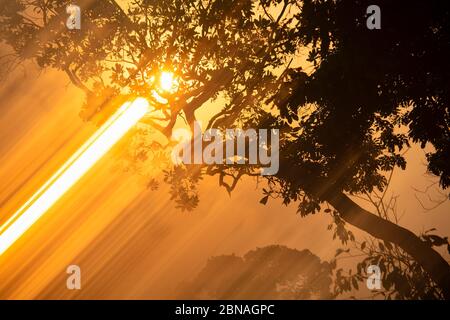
131	242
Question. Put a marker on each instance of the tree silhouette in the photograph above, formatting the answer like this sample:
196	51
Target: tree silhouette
212	47
365	85
272	272
341	122
401	276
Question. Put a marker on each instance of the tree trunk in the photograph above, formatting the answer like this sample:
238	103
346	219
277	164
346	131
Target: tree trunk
431	261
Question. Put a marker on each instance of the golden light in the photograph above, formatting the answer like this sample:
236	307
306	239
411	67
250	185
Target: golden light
167	81
85	157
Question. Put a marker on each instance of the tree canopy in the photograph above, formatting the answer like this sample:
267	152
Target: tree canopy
345	120
272	272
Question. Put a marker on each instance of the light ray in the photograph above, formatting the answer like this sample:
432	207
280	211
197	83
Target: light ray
71	171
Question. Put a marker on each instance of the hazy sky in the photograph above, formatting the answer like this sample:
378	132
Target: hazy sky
131	242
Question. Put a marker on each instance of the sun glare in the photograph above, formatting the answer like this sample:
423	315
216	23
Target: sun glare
166	81
98	145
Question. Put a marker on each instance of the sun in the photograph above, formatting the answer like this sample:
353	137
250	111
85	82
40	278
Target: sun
166	84
167	81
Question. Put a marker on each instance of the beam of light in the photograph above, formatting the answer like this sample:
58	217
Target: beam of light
71	171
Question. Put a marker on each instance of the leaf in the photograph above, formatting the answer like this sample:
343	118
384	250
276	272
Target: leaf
264	200
363	245
388	245
355	283
438	241
339	251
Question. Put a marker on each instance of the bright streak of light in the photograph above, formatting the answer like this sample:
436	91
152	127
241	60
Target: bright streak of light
85	157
